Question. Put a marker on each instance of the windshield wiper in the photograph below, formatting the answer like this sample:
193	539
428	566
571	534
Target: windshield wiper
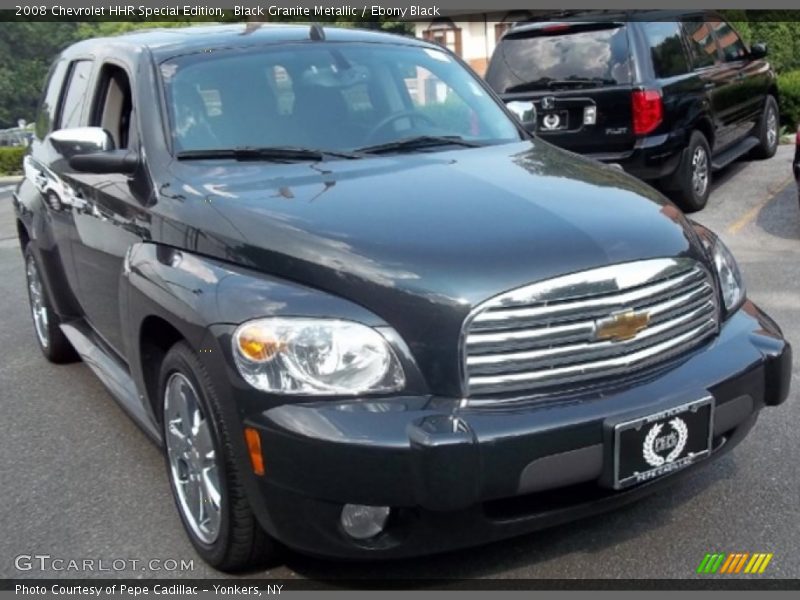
267	153
417	142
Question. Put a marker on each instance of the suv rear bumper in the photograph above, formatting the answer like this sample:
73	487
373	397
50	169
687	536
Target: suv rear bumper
652	158
456	477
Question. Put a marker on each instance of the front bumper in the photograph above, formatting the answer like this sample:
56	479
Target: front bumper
459	476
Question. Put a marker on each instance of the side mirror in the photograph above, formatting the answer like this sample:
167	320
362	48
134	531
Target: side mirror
112	161
758	51
81	140
525	111
91	150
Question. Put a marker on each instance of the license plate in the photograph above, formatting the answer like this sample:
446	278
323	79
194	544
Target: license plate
658	444
553	121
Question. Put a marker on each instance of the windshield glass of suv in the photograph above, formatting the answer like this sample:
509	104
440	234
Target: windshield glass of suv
561	57
326	96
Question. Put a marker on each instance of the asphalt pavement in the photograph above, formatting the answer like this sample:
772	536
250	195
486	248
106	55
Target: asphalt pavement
78	480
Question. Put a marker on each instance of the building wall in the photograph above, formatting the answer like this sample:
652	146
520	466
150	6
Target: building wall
473	41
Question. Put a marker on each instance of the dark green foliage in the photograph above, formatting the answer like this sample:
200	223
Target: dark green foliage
789	98
11	159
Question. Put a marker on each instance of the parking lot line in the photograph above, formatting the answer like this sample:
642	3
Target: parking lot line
751	214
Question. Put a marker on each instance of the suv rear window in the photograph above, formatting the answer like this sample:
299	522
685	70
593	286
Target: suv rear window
559	56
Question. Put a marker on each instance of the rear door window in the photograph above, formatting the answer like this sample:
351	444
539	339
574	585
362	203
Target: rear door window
561	56
705	51
75	97
666	48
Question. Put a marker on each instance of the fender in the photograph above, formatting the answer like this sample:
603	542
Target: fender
205	299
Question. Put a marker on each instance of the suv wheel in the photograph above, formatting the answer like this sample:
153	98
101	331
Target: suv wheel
768	130
691	182
203	475
52	342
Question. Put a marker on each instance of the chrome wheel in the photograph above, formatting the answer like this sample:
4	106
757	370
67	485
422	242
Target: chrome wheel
699	171
772	128
38	306
192	458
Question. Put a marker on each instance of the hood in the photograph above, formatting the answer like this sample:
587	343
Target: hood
419	239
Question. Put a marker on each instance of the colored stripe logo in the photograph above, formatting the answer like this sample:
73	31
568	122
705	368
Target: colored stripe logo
734	563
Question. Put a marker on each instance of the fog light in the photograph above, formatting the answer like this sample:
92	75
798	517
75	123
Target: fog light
363	522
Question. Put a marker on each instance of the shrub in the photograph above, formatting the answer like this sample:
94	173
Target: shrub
789	93
11	159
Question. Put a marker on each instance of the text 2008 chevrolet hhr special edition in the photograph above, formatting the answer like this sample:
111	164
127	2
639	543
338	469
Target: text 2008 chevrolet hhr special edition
362	310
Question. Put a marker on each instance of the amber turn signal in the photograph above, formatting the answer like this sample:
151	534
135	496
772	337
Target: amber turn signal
258	345
254	449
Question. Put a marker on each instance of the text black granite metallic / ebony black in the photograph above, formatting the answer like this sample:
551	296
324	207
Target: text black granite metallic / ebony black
362	310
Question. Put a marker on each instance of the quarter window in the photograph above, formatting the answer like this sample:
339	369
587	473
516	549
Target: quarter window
75	97
47	110
666	48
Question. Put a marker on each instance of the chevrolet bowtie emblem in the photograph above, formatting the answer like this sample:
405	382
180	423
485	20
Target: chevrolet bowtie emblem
621	326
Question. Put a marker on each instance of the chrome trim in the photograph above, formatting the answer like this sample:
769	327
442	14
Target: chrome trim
543	334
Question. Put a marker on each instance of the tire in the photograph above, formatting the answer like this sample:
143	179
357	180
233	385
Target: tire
222	528
46	323
768	130
690	185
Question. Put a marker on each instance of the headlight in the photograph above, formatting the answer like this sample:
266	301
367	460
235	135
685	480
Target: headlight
321	357
730	278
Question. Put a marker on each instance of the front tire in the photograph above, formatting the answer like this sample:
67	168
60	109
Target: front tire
691	183
46	323
768	130
204	477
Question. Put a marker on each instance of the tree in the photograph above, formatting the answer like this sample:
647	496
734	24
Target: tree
26	50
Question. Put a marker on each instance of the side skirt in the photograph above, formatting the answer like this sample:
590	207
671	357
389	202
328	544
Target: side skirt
113	373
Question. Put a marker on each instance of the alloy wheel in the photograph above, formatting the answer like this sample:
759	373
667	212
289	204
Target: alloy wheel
699	171
38	306
772	128
192	458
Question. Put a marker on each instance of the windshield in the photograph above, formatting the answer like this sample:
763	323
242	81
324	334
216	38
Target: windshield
326	96
561	56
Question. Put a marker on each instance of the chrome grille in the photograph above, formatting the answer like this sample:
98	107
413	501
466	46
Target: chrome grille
546	334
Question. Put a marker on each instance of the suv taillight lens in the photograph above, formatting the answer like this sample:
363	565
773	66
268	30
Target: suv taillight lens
648	110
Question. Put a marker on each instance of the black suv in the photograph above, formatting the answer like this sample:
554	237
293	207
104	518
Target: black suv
362	310
669	97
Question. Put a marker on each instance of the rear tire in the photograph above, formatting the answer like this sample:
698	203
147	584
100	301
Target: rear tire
201	467
690	185
46	323
768	130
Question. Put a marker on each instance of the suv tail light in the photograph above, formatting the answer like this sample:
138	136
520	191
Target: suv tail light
648	110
